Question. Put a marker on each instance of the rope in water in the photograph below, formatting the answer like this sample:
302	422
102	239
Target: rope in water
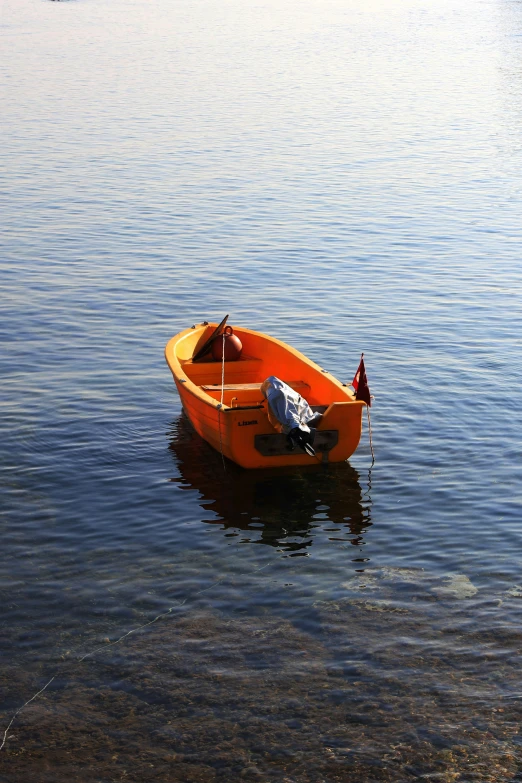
19	710
370	432
124	636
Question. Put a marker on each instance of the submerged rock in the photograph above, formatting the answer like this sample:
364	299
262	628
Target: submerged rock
514	592
457	586
378	606
392	574
373	578
361	582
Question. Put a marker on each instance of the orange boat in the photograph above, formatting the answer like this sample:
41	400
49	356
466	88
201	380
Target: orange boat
225	405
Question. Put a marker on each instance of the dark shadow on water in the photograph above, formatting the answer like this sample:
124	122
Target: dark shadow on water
283	508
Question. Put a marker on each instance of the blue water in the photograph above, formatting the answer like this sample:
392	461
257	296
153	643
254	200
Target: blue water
345	177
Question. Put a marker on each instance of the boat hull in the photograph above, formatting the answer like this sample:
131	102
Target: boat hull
233	418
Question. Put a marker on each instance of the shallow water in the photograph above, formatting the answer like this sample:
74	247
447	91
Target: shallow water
348	179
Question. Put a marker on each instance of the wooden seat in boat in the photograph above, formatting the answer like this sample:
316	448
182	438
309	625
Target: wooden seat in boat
296	386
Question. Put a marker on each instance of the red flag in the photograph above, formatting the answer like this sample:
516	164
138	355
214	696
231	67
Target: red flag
360	384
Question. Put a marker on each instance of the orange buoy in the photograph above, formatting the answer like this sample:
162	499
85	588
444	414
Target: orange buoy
233	346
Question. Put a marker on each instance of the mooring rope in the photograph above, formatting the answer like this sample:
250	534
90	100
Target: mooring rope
19	710
220	406
370	432
124	636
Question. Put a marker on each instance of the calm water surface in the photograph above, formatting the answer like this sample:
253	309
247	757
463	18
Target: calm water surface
345	176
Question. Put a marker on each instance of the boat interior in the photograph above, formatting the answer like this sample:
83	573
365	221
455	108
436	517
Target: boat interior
243	379
260	358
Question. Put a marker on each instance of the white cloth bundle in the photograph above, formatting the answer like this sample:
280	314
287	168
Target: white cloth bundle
288	407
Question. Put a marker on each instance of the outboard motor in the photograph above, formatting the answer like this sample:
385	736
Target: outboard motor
302	438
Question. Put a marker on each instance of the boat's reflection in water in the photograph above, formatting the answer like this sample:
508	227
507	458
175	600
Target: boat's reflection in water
284	508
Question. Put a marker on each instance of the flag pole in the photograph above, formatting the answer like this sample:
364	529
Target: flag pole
362	392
